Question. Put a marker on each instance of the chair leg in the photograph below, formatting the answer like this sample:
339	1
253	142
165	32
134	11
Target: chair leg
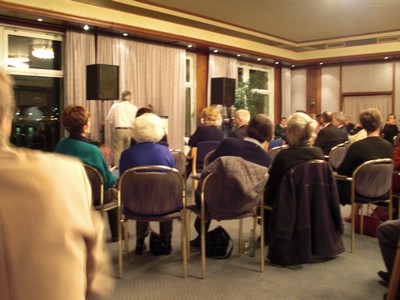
362	217
126	237
184	243
203	248
120	260
395	277
240	237
188	230
262	246
353	221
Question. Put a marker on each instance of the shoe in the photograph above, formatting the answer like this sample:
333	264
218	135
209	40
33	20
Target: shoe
140	247
385	276
196	242
167	249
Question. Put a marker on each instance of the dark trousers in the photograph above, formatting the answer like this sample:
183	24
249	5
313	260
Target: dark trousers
388	237
197	225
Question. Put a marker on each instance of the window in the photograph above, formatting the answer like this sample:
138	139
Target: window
190	86
258	79
34	60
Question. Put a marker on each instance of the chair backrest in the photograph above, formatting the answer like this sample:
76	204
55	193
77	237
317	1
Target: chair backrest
207	158
200	152
275	143
180	161
373	178
96	182
224	199
337	154
274	151
152	190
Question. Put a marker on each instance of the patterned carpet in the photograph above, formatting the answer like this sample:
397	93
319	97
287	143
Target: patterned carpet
349	276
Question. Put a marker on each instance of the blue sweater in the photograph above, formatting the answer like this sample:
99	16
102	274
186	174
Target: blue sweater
143	154
88	154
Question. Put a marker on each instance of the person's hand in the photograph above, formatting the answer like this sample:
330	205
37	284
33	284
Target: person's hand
112	168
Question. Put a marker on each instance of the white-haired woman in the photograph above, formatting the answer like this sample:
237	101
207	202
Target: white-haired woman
147	131
301	130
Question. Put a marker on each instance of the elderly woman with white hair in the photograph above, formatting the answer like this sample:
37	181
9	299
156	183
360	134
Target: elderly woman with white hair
147	131
301	130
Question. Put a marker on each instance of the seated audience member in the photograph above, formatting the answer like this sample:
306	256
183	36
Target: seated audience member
396	167
330	135
51	239
280	129
338	120
76	120
250	148
301	129
371	147
207	132
148	131
320	121
390	130
388	238
350	126
359	133
242	117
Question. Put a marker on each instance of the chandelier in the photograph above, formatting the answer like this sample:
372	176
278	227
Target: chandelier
43	50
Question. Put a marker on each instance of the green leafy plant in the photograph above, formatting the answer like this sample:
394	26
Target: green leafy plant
246	95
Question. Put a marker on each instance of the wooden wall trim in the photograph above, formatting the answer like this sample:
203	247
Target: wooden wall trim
202	74
313	91
355	94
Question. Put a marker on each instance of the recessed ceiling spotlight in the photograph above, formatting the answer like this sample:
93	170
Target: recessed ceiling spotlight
321	63
259	58
86	27
40	20
239	55
125	34
277	62
190	46
216	51
386	57
293	66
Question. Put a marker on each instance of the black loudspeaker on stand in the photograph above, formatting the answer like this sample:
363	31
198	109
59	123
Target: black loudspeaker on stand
102	83
223	91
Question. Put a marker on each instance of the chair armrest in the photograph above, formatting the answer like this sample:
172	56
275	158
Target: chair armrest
196	177
342	177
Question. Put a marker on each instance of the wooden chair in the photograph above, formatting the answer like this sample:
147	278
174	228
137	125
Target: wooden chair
154	193
217	196
371	182
97	185
395	277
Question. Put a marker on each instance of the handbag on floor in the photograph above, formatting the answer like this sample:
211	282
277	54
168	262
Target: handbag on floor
219	244
370	226
156	243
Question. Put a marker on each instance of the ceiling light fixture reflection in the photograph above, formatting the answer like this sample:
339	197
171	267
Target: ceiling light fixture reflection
43	49
18	62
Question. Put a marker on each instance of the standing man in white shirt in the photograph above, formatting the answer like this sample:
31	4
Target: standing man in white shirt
122	114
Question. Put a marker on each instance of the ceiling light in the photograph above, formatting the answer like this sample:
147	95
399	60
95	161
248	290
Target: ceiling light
86	27
293	66
190	46
387	57
277	62
125	34
215	51
321	63
40	20
259	58
239	55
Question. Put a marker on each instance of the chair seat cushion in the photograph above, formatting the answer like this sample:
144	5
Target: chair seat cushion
361	199
147	218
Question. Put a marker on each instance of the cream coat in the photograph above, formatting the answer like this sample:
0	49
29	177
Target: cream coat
51	241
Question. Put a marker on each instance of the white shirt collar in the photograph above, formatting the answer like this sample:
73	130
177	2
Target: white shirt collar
254	141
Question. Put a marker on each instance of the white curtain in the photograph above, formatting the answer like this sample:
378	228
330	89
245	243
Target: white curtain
352	106
80	52
220	66
154	74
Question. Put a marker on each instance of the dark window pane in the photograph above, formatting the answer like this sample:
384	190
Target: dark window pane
36	123
33	53
259	79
